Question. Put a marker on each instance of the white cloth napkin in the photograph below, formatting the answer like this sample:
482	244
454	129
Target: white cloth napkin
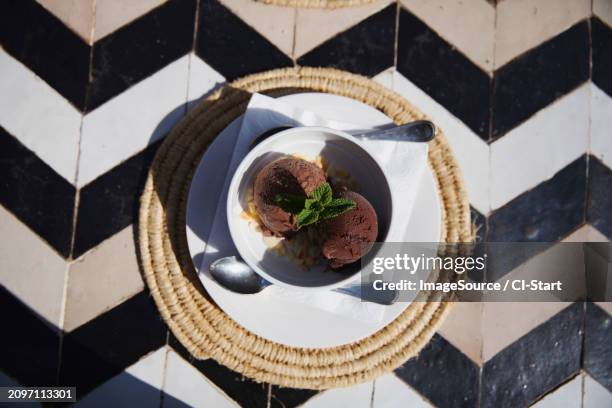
403	164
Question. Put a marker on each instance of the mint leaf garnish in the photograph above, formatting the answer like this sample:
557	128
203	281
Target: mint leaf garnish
337	207
290	203
319	205
309	203
307	217
322	193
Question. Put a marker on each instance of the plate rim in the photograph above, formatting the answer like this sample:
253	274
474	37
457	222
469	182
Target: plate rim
209	281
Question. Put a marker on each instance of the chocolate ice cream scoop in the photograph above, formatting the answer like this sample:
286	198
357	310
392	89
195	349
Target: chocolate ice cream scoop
283	176
350	235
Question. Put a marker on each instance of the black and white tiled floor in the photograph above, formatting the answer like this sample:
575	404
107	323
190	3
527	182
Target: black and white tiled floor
89	88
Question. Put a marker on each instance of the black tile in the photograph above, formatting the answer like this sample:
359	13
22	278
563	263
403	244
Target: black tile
140	49
366	48
47	47
536	363
539	77
231	47
443	73
245	392
601	40
178	347
289	397
36	194
110	203
105	346
546	213
442	374
599	207
30	346
598	345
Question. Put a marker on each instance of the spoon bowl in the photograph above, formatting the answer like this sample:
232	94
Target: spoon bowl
236	276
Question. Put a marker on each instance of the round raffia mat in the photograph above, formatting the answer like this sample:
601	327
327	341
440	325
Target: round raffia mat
322	4
199	324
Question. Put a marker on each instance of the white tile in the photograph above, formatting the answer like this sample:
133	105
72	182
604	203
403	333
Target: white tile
202	80
138	385
390	392
468	25
601	124
39	117
131	121
556	136
471	152
525	24
569	395
357	396
385	78
184	384
30	269
595	394
150	369
603	10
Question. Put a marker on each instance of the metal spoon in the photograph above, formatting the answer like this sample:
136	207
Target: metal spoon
235	275
417	131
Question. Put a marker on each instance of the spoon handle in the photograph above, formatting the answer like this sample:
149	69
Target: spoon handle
418	131
367	294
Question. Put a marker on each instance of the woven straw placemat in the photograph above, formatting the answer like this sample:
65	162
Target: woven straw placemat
323	4
198	323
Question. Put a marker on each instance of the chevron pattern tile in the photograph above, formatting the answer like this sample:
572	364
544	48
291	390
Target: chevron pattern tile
90	88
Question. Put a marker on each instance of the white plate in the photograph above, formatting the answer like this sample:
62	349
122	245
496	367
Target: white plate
275	318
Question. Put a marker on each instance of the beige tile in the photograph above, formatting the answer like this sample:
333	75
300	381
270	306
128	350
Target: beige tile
562	261
102	279
468	25
607	306
505	322
462	328
272	22
30	269
113	14
525	24
315	26
76	14
603	10
586	233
